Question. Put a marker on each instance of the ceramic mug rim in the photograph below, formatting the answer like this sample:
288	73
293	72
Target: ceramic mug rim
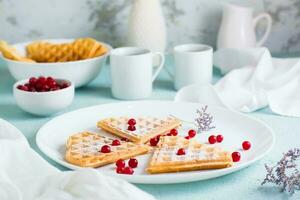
193	48
130	51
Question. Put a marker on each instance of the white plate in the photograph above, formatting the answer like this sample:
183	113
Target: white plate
235	128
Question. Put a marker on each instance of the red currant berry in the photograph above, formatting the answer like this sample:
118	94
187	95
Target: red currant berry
169	134
46	88
181	151
246	145
115	143
32	89
133	163
131	122
192	133
23	87
32	81
105	149
131	128
42	80
173	132
154	141
128	170
54	88
236	156
212	139
51	82
64	85
120	163
120	170
187	137
219	138
125	139
38	86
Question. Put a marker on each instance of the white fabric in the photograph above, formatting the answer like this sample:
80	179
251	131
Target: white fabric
254	80
24	175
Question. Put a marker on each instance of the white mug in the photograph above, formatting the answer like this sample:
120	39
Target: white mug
132	72
193	64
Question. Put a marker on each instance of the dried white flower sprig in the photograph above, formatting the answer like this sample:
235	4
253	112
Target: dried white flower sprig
204	120
285	173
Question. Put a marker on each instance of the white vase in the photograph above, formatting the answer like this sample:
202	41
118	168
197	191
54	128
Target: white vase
147	26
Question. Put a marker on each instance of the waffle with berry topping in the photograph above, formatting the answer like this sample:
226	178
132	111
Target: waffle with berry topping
176	154
145	128
84	150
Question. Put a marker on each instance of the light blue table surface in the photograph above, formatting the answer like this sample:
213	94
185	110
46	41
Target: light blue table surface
244	184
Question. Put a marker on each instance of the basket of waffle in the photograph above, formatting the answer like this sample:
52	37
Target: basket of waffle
157	137
79	60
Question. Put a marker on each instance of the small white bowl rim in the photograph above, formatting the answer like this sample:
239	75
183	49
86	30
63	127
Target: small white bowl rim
61	40
21	82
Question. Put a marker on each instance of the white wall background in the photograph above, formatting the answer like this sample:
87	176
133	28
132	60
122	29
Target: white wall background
187	20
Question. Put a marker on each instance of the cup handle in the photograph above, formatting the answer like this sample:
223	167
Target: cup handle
268	28
160	66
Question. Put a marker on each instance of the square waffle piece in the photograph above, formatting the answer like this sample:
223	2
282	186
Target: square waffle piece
197	156
146	127
83	149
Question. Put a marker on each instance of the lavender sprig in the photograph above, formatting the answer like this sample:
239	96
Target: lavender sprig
204	120
285	173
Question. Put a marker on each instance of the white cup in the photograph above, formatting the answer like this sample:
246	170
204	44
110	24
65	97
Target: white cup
132	72
193	64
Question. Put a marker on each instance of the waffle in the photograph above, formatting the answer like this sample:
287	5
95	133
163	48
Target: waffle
83	150
198	156
146	128
80	49
11	53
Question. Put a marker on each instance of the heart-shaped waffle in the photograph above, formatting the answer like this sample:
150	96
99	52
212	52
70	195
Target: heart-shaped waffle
83	149
145	127
197	156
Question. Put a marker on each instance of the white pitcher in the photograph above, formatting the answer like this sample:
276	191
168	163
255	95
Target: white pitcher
147	26
238	26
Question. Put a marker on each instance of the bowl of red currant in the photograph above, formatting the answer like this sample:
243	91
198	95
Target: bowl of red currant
43	95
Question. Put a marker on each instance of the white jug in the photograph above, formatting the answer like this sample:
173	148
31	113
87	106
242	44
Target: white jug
237	29
147	26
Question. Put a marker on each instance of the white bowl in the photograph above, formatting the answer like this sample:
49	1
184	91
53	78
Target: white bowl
43	103
79	72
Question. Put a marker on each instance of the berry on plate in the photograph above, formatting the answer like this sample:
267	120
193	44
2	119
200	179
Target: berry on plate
181	151
131	128
154	141
120	163
246	145
131	122
212	139
133	163
173	132
236	156
192	133
105	149
128	170
219	138
120	170
116	142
